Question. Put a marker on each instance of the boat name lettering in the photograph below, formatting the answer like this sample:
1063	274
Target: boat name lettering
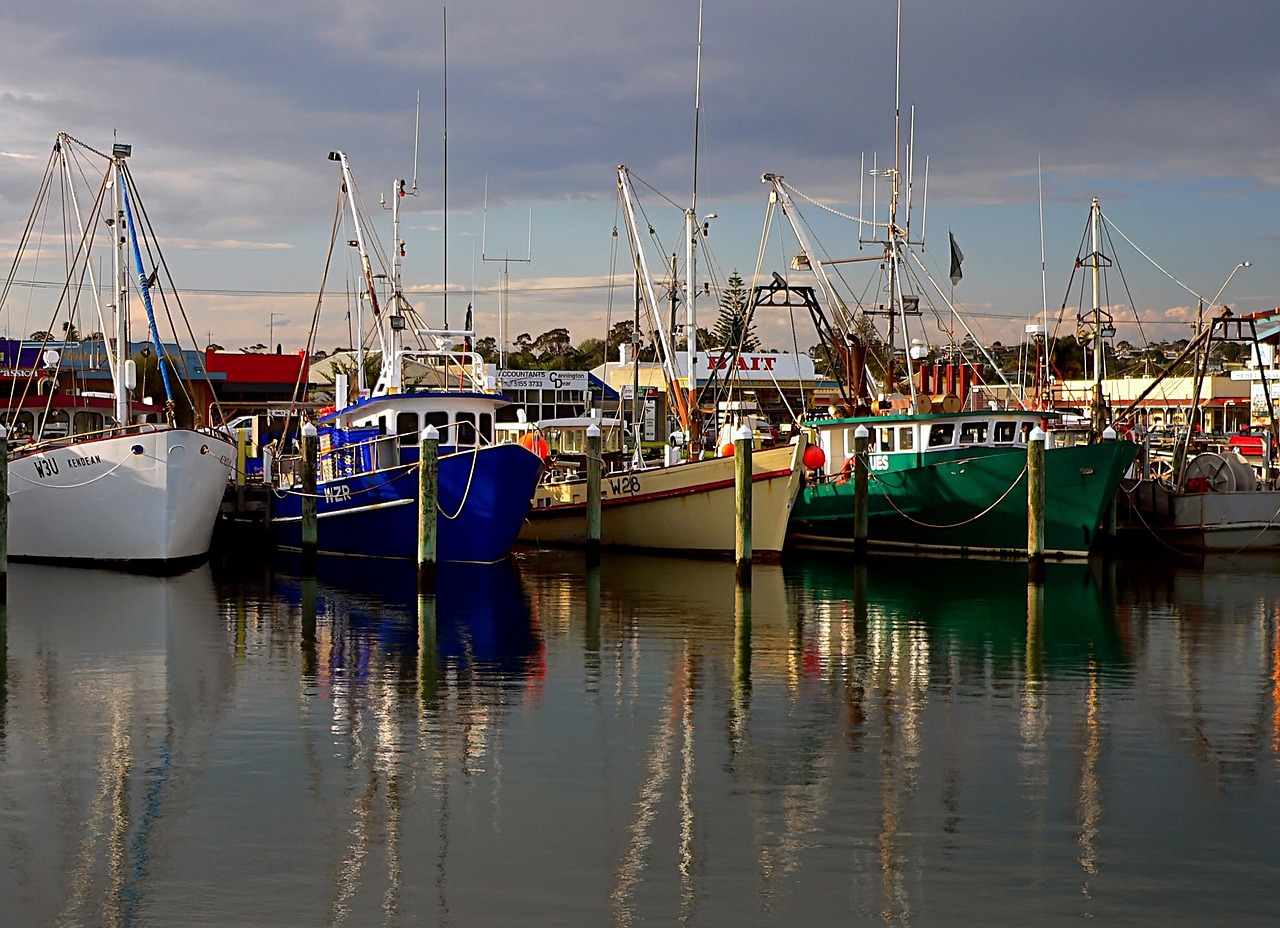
618	485
337	494
46	467
85	462
878	462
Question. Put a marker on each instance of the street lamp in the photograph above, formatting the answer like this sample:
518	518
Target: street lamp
271	330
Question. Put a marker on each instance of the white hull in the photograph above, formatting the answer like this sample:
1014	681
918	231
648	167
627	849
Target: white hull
151	496
1242	520
687	507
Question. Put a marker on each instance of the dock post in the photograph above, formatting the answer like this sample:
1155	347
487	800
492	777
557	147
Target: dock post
1108	528
742	444
428	497
1035	504
428	650
310	518
593	494
242	466
861	500
4	512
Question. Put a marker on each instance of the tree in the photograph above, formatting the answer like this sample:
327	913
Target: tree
732	329
590	354
487	348
70	333
624	333
554	349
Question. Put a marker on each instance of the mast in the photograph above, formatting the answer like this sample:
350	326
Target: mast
1099	410
666	343
691	253
119	275
370	293
393	376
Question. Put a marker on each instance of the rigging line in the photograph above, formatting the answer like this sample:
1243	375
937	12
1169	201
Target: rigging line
1148	257
983	350
182	313
126	182
1124	281
656	191
888	498
832	210
157	262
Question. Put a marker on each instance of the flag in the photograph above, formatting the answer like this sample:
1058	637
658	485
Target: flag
956	258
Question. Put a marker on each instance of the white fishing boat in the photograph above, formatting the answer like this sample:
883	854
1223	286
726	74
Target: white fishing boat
97	476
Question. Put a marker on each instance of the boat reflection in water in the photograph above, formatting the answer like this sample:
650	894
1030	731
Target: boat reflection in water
365	612
413	691
113	686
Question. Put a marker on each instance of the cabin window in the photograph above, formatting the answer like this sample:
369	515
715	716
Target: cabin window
941	434
1006	432
87	423
57	424
466	431
486	427
906	438
407	428
439	418
884	439
24	425
973	433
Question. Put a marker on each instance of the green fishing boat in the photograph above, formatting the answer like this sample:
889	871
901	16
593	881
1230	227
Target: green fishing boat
956	482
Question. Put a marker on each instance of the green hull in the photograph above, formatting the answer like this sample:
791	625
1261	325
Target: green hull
970	500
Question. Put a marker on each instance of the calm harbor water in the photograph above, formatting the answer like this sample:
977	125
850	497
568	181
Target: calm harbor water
919	741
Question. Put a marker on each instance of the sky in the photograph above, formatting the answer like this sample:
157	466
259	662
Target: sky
1165	110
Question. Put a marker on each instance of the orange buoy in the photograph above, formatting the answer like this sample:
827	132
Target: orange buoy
814	457
535	443
726	450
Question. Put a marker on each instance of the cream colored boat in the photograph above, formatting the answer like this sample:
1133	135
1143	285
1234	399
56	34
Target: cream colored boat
684	507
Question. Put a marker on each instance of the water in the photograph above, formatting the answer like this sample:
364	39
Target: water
919	742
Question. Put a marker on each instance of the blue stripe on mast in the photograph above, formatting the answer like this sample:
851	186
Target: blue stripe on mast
146	291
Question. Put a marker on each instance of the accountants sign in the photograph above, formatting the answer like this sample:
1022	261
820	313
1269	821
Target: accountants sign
543	380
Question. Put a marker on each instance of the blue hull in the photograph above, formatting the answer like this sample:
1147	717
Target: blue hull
483	499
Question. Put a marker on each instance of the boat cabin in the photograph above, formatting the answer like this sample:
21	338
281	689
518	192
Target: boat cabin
389	427
916	437
41	419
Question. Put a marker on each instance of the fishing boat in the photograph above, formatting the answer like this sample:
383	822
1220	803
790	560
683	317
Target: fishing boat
99	475
690	506
369	446
680	503
956	482
945	474
1203	499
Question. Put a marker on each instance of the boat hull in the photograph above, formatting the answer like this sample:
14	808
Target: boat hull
147	499
483	497
687	507
972	502
1152	513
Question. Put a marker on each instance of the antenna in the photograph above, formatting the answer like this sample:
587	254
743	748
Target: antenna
504	282
417	122
445	273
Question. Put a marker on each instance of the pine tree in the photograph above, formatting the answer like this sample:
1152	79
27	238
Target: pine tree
731	326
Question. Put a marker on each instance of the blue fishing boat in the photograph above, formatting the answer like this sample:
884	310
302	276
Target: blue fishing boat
367	485
367	477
